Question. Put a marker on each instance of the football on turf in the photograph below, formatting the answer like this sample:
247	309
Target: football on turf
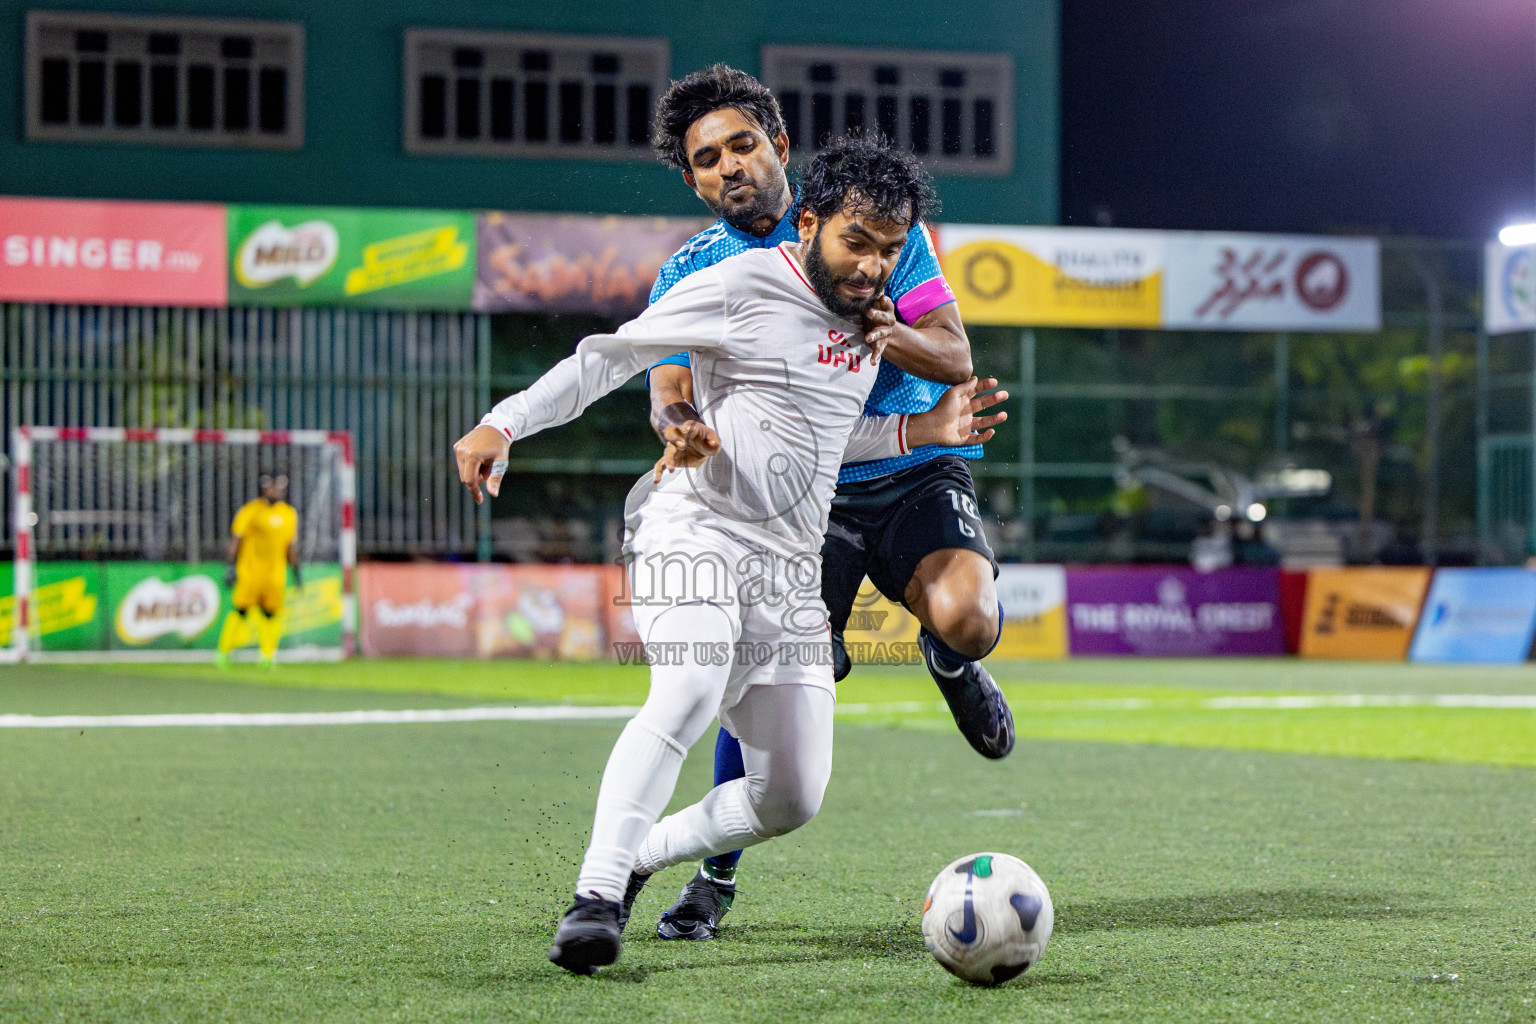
987	918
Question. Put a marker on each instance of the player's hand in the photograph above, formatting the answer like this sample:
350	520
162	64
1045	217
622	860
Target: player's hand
229	577
879	326
687	446
956	419
477	453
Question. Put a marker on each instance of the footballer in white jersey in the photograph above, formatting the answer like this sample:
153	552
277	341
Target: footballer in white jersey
783	370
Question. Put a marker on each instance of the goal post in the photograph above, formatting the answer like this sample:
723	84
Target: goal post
120	536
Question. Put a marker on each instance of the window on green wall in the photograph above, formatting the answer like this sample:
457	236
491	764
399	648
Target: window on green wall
167	81
531	95
955	110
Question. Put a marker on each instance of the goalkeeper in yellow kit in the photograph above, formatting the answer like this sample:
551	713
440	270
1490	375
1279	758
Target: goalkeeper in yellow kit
260	552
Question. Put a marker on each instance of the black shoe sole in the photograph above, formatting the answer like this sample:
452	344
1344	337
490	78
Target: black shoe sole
698	933
584	954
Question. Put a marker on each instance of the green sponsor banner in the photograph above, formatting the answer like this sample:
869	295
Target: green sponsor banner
68	605
94	606
345	256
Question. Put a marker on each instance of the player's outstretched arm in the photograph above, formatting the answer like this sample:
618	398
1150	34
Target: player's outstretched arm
935	347
957	417
690	316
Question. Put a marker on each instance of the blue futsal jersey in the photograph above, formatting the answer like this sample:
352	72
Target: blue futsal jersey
916	286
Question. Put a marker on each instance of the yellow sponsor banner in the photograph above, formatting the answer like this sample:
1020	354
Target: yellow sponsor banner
880	632
1063	277
1034	600
1366	613
57	607
315	605
398	261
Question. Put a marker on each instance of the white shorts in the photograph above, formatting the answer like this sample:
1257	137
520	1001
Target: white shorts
777	623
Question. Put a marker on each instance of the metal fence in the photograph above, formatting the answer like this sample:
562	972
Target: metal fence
401	382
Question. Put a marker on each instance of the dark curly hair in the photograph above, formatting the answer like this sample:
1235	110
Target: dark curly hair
704	92
864	173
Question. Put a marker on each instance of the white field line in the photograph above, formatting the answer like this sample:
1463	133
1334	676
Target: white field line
568	713
561	713
1357	700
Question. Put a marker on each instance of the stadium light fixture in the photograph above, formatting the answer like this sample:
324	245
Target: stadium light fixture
1518	234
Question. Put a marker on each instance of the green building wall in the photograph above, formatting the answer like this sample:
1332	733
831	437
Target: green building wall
352	153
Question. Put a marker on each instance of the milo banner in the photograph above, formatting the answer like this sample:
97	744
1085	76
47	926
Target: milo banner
1365	613
342	256
1174	611
96	606
549	263
1188	280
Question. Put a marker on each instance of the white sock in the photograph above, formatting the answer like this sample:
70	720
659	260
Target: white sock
637	783
721	822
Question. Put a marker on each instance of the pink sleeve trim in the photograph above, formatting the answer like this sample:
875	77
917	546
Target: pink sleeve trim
924	299
901	436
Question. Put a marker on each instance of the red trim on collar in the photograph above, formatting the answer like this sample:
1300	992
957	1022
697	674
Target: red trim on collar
794	266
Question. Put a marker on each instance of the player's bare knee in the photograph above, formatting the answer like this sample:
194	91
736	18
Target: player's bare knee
966	623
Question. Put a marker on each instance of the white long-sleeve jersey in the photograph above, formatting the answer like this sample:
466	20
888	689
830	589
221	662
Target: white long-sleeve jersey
781	378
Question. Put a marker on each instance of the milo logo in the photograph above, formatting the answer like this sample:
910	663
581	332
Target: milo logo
272	252
154	608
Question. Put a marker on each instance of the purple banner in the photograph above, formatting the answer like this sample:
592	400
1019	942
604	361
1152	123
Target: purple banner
553	263
1174	611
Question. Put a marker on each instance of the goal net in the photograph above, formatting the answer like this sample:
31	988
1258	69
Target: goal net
121	537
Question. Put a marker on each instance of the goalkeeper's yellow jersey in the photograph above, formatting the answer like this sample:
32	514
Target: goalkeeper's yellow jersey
266	529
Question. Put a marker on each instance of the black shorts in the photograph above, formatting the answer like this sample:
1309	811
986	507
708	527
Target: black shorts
882	528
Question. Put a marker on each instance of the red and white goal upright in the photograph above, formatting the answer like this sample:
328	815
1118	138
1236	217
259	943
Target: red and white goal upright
120	536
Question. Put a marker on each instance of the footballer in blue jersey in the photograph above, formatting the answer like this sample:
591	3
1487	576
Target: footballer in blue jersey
910	523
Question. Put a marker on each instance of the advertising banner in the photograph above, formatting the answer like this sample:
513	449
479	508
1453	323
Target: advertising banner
550	263
339	256
103	606
1477	615
1034	599
1509	288
129	254
1366	613
554	612
180	606
1220	281
66	605
618	620
416	609
1173	611
880	632
1066	277
1190	280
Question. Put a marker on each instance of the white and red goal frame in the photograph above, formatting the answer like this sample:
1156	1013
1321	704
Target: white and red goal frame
22	439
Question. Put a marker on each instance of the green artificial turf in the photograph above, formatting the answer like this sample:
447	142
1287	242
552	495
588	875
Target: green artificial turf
1082	699
414	872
